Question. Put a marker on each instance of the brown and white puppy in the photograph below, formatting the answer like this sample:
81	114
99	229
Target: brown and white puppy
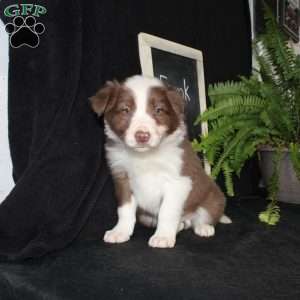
157	176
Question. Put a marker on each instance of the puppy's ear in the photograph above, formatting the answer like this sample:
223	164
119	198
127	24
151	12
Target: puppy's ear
176	99
104	98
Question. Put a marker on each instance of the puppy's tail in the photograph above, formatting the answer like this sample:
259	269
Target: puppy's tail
225	220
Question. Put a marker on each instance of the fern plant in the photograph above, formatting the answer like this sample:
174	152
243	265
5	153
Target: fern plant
261	110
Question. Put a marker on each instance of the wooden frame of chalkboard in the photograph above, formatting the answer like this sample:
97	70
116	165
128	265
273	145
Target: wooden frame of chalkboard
170	61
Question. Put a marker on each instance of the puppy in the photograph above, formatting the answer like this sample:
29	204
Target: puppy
158	178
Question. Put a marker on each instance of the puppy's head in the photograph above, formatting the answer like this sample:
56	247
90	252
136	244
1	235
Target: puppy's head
141	112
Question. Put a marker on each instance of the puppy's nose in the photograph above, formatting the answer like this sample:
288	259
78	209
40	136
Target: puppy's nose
142	137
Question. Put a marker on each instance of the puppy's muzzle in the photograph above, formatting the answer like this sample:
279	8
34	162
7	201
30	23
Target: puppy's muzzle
142	137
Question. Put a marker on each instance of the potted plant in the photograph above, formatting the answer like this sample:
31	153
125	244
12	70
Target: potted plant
258	114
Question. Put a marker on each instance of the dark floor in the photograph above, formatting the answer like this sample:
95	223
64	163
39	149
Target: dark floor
245	260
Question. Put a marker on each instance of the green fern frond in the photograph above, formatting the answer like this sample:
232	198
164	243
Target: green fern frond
235	105
217	92
212	144
196	145
229	148
266	119
277	46
277	113
246	150
217	135
227	171
295	158
266	71
271	215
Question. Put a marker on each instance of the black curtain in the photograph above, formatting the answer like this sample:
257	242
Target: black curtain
63	188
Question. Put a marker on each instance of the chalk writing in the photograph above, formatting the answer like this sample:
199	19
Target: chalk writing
183	90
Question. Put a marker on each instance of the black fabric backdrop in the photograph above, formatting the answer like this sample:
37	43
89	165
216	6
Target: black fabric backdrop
63	189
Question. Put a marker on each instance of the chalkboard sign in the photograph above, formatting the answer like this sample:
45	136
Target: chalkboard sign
181	72
182	67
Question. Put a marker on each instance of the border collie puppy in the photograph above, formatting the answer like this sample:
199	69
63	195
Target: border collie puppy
158	178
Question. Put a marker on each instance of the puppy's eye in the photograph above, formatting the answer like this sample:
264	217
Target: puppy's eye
158	110
125	110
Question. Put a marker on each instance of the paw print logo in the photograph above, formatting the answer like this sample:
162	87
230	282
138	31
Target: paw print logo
24	32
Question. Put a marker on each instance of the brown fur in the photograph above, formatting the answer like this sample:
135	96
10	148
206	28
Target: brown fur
113	100
105	97
170	107
205	192
122	188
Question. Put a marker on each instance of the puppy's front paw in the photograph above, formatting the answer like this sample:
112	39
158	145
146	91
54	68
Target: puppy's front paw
158	241
116	236
205	230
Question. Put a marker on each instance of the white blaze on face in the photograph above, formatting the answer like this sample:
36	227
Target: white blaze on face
141	119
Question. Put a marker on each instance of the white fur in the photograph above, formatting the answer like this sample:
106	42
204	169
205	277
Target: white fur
125	226
201	222
225	220
110	133
150	172
148	220
205	230
141	120
174	194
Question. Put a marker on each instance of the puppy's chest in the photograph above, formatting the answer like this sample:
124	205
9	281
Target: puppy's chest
149	174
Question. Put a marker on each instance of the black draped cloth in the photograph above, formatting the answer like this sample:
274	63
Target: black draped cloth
63	189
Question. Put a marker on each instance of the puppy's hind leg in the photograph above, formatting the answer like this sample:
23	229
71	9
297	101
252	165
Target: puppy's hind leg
147	220
202	223
151	221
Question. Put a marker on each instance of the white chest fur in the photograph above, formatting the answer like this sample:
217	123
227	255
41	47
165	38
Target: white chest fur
150	174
